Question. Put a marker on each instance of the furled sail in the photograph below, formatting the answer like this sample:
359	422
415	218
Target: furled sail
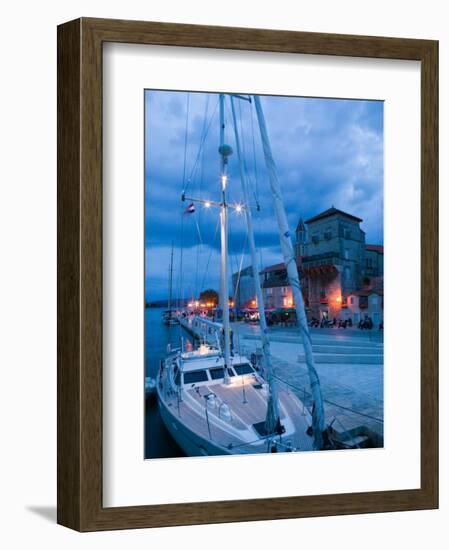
318	420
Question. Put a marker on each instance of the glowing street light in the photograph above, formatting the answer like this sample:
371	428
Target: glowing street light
207	204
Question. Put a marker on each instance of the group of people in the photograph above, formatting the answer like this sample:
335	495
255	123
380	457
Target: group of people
327	323
366	323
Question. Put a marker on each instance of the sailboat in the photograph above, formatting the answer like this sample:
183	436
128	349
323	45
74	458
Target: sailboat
212	399
169	316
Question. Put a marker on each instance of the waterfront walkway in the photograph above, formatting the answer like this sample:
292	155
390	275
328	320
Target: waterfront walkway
349	363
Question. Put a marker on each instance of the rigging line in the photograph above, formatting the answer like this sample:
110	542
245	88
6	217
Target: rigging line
210	253
239	272
239	265
185	140
203	139
200	240
242	128
180	292
242	133
256	194
200	244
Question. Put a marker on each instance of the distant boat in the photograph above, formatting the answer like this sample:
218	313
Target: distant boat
169	316
212	400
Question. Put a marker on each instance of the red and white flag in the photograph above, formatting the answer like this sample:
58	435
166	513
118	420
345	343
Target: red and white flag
190	209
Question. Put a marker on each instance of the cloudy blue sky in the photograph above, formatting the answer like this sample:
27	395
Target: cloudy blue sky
327	151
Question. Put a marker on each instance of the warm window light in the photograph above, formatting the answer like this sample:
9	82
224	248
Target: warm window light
338	299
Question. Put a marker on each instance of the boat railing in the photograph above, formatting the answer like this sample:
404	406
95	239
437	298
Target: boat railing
270	440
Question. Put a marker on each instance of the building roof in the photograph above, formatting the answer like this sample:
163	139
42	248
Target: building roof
375	248
330	212
274	267
379	292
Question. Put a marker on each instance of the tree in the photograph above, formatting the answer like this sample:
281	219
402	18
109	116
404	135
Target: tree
209	296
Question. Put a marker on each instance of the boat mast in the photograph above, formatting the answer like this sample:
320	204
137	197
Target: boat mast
170	289
272	418
318	420
225	151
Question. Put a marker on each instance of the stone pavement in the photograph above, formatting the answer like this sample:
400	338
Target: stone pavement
353	391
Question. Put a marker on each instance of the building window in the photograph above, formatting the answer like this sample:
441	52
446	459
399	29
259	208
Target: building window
346	254
323	295
351	300
369	262
315	239
284	290
347	233
374	299
328	234
363	302
269	291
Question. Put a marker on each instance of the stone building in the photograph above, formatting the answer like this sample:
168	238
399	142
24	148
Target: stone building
243	288
374	260
333	260
366	302
276	290
341	275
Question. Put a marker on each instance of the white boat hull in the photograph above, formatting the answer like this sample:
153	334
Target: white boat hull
190	442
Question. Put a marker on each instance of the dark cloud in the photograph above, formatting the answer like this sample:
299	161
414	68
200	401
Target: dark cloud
328	152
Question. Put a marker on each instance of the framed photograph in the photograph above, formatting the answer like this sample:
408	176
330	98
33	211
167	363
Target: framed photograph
247	274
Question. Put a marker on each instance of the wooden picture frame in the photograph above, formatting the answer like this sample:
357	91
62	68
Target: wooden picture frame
80	351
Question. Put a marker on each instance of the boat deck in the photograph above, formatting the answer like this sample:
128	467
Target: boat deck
247	408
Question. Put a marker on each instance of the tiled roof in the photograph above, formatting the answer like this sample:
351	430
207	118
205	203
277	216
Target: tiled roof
331	212
375	248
